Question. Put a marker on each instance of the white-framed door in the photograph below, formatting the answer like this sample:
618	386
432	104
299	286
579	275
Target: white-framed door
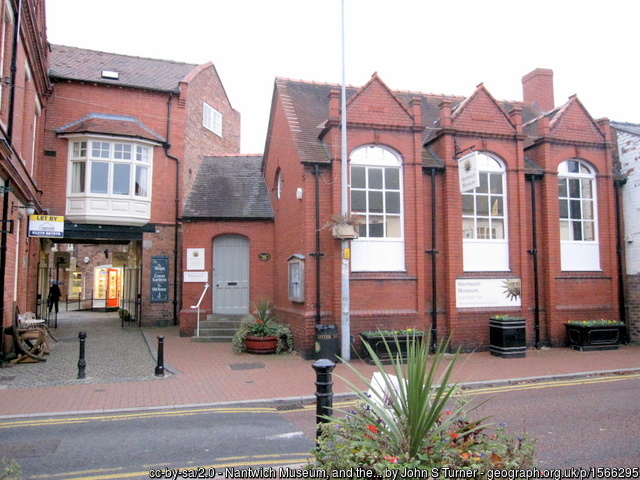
231	275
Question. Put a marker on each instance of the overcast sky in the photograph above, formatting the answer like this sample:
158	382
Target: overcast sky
444	46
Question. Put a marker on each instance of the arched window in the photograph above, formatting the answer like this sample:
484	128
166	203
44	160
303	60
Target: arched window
484	219
578	220
376	198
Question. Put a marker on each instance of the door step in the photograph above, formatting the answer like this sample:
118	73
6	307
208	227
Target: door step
218	328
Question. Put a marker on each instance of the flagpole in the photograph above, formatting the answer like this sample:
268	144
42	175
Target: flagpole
345	321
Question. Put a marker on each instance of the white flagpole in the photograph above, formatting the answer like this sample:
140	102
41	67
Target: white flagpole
345	321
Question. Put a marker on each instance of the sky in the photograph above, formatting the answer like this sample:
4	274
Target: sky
442	47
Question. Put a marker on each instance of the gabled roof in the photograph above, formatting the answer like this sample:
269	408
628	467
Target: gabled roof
71	63
108	124
306	106
229	188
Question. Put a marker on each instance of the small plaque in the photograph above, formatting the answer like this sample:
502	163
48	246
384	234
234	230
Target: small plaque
264	256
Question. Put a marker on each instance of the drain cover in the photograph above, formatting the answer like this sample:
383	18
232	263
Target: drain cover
29	449
294	406
246	366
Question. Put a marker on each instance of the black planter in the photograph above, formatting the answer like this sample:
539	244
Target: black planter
507	337
587	338
377	343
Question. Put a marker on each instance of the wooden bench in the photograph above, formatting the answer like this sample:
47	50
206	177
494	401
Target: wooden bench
30	338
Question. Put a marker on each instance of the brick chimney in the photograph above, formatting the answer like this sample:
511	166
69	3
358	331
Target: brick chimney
537	87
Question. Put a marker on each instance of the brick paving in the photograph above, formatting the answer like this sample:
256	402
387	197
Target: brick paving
120	371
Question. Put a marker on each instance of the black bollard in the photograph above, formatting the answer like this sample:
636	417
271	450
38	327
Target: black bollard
82	363
160	365
324	394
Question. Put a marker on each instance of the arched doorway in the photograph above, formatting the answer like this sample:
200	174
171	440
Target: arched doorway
231	275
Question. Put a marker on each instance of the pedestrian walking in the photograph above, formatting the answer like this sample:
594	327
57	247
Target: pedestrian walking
54	297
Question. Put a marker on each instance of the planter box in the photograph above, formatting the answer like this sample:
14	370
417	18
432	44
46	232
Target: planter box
377	343
507	337
588	338
344	231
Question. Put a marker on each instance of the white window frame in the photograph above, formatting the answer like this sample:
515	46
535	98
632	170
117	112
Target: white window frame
386	252
578	255
123	202
479	253
211	119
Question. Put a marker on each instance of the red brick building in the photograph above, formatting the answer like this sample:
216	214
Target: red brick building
124	137
24	94
536	237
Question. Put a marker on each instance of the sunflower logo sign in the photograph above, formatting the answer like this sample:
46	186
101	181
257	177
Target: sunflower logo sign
488	292
468	172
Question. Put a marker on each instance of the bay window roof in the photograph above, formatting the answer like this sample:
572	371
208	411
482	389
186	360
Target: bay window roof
108	124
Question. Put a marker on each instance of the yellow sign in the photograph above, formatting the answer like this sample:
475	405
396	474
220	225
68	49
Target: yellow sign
346	253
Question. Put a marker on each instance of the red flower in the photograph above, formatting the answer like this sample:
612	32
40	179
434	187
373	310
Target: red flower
372	428
454	435
391	459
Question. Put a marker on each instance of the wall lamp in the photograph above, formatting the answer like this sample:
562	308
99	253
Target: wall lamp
29	208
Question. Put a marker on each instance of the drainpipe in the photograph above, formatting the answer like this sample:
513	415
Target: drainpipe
3	261
534	254
434	277
317	254
14	70
167	146
619	250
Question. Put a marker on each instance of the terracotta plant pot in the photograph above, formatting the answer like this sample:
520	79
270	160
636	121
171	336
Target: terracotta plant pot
261	345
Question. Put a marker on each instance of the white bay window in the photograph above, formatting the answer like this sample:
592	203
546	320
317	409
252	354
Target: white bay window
109	182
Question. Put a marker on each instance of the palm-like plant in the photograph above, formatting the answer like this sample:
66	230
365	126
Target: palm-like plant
410	402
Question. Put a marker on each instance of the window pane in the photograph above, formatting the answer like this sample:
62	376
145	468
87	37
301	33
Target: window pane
495	180
393	227
483	230
564	209
482	205
79	149
358	179
100	149
496	206
576	228
467	204
375	178
142	179
576	211
358	201
375	202
586	188
574	188
121	178
392	202
99	177
468	228
484	183
589	231
587	210
565	232
392	179
142	154
376	226
562	188
122	151
497	229
78	170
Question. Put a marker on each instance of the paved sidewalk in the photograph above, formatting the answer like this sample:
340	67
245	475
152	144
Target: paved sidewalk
120	371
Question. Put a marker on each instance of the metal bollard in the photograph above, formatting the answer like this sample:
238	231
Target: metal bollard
160	365
82	363
324	394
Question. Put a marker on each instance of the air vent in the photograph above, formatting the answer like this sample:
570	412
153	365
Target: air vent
110	74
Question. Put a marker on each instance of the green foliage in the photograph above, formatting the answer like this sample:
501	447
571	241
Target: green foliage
263	323
596	323
409	419
391	333
10	470
506	317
